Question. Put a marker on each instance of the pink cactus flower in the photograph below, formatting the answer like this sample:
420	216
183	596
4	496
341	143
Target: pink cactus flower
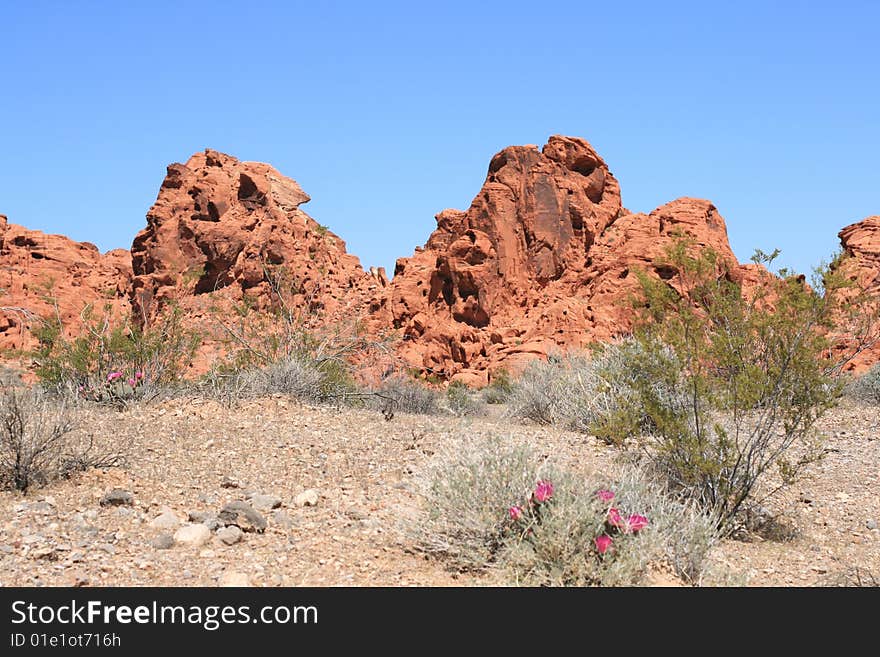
605	495
543	491
132	382
603	543
615	519
138	375
113	376
515	513
636	522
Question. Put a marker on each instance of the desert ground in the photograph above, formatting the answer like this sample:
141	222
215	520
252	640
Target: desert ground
338	487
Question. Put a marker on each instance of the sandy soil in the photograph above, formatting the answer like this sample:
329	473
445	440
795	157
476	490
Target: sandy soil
194	456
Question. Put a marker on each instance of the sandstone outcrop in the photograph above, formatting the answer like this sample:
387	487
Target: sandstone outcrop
219	224
51	276
860	265
543	259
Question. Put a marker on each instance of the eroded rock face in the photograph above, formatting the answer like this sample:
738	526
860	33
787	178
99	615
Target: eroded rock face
860	243
542	260
50	275
221	224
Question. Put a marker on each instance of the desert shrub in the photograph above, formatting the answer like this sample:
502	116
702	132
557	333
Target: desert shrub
298	377
461	401
408	396
113	360
500	388
725	389
287	346
468	488
38	443
491	503
586	393
867	386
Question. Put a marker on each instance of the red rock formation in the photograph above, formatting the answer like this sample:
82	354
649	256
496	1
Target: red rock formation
543	259
52	276
219	223
860	244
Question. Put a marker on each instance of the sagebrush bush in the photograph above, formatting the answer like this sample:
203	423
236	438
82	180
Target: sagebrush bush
461	401
38	442
500	388
589	393
468	487
867	386
408	396
297	377
493	503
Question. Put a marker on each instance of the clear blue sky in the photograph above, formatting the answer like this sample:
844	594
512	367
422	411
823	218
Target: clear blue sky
388	113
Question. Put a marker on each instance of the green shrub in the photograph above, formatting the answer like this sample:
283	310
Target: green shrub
500	388
579	392
461	401
113	361
724	390
494	504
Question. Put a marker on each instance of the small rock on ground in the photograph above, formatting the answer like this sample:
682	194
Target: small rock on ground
308	497
165	520
117	497
244	515
192	535
264	503
229	535
163	542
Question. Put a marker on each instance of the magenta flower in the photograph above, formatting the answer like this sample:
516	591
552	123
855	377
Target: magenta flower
605	495
543	491
515	513
132	382
614	518
113	376
138	375
636	522
603	543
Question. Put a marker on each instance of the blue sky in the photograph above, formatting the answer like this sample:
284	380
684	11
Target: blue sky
386	113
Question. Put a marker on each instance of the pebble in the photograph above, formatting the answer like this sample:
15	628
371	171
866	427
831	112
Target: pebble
229	535
244	515
871	524
117	497
204	518
192	535
166	520
47	553
308	497
264	503
163	542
